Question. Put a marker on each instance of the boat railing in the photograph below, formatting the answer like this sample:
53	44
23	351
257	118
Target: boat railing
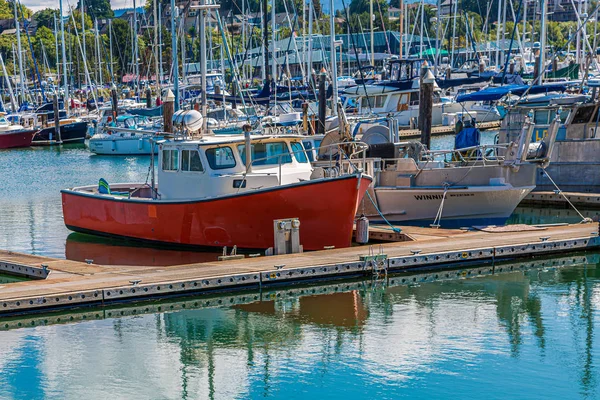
338	156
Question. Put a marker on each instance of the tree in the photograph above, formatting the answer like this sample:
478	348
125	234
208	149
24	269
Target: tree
46	17
97	8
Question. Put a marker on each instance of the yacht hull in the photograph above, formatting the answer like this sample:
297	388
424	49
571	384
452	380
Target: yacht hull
326	209
70	133
9	140
468	206
122	146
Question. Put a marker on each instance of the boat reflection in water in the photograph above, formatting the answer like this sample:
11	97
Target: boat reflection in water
81	247
533	320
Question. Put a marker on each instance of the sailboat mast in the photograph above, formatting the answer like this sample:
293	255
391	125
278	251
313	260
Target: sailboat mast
20	54
265	10
83	34
156	47
203	66
135	50
13	102
174	55
110	68
274	67
56	48
542	70
334	81
371	19
64	57
98	52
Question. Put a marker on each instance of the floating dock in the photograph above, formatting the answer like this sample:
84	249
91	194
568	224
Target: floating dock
63	284
587	200
444	130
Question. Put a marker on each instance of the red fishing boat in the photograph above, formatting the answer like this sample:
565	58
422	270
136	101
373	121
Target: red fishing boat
222	192
12	136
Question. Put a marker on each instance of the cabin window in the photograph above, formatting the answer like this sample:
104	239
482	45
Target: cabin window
267	153
584	114
309	149
220	157
299	153
190	161
170	160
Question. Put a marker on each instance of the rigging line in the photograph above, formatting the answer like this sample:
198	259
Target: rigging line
558	191
351	37
539	78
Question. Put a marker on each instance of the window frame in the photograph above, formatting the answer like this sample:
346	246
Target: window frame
215	167
201	171
162	164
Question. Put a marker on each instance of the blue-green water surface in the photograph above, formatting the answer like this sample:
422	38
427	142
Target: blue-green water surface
518	335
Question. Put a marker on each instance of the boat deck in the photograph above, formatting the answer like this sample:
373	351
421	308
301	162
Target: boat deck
67	284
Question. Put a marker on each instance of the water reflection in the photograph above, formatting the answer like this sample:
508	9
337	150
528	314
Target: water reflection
80	247
537	326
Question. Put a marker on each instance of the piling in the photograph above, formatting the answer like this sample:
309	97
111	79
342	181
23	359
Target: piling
115	102
168	111
322	104
56	118
148	97
426	105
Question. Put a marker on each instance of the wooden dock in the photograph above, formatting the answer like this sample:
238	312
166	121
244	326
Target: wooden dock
66	284
587	200
444	130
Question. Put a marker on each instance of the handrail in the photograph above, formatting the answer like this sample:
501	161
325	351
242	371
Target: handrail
363	147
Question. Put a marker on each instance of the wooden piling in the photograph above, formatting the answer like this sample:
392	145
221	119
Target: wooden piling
148	97
115	102
322	104
426	105
56	118
168	111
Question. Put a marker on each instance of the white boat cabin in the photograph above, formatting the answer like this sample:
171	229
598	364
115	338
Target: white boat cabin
216	166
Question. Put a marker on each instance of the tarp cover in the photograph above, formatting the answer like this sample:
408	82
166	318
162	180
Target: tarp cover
468	137
496	93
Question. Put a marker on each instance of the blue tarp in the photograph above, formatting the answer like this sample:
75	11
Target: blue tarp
468	137
496	93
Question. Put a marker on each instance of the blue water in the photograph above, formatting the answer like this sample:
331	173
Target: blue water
529	335
517	335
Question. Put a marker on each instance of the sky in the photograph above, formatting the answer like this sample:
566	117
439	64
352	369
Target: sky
37	5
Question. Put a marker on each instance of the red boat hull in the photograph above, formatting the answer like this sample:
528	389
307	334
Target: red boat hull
15	139
326	210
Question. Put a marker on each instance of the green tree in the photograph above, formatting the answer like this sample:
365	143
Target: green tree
46	17
97	8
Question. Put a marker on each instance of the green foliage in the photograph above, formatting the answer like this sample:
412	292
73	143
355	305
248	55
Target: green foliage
46	17
97	8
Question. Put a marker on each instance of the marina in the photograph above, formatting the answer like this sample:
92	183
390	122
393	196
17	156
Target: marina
277	199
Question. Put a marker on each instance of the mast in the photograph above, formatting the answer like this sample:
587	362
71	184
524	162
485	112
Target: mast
13	102
273	49
266	40
371	19
160	60
438	31
174	55
542	69
98	52
309	69
156	47
136	50
422	26
20	53
453	32
498	24
334	82
83	33
203	66
110	68
64	56
56	48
